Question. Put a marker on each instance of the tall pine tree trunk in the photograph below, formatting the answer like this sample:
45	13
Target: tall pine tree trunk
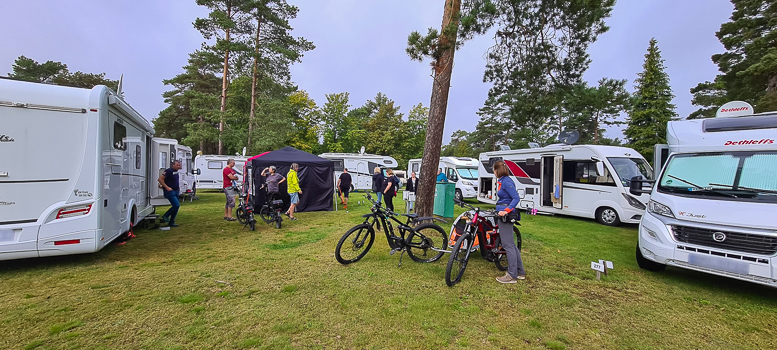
253	85
224	82
437	109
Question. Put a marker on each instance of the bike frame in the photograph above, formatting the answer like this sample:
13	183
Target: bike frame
384	217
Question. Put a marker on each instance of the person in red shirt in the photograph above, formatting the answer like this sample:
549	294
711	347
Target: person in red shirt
229	175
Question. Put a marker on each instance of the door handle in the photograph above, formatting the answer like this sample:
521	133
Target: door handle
3	174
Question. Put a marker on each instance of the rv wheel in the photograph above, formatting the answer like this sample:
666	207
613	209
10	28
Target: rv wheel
458	195
646	264
607	216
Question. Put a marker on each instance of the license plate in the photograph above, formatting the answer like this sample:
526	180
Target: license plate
716	263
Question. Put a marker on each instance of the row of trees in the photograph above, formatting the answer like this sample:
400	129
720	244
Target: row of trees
51	72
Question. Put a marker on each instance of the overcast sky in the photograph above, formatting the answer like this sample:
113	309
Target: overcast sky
359	47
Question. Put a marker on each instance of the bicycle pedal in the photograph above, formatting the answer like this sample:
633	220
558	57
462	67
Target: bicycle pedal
394	251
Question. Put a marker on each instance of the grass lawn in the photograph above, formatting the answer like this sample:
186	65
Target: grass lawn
210	284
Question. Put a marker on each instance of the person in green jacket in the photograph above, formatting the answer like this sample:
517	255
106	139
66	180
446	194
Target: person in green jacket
294	190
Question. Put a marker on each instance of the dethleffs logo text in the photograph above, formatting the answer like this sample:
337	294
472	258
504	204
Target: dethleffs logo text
750	142
6	138
726	110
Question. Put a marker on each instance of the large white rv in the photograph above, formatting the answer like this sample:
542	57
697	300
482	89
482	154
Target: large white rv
459	170
73	169
577	180
163	153
360	166
711	209
211	167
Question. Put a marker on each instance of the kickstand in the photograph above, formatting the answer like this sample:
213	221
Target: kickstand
400	258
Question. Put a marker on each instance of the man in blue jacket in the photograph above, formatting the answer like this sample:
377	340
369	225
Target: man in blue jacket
441	176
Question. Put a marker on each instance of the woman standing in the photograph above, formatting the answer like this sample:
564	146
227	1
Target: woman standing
508	199
377	183
389	189
293	189
412	185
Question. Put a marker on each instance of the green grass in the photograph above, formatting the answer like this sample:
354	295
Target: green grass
210	284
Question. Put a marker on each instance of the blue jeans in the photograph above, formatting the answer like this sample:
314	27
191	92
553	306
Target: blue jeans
171	213
380	196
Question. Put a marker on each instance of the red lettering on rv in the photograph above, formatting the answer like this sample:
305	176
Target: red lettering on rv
726	110
749	142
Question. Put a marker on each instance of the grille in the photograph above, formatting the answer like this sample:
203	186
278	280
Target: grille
740	242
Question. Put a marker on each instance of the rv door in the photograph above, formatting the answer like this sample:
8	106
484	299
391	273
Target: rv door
558	190
660	155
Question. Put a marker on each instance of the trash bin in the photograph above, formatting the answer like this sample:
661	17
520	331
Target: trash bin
443	199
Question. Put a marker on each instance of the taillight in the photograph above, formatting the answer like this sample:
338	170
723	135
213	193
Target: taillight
76	210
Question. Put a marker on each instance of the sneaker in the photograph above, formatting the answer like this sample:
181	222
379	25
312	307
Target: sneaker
293	219
230	219
521	277
506	279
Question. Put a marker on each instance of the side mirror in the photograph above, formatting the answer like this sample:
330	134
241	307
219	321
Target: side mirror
635	187
599	168
454	178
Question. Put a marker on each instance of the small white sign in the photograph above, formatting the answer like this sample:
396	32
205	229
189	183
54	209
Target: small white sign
597	266
734	109
608	264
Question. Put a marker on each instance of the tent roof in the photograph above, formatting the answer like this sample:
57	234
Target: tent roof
288	155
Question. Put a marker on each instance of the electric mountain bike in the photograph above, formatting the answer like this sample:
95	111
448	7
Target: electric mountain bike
422	242
476	228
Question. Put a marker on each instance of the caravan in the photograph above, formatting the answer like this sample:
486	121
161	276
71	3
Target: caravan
578	180
710	211
163	153
360	166
460	170
210	170
93	188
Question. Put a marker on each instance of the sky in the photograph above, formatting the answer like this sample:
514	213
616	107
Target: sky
360	47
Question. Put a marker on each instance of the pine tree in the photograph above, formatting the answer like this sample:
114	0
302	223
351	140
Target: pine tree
652	105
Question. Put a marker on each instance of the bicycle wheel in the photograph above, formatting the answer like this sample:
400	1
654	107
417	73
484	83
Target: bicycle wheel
240	214
426	243
457	263
252	222
266	215
355	244
278	221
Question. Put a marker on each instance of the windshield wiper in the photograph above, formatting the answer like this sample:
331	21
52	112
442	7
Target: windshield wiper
750	189
699	188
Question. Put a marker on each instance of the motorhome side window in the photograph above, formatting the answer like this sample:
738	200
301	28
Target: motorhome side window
119	134
214	165
137	156
584	172
415	167
490	166
338	165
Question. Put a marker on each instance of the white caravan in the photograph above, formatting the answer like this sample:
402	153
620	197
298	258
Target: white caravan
210	170
711	209
163	153
360	166
460	170
577	180
74	171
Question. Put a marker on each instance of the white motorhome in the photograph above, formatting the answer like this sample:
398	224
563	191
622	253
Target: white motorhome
163	153
462	171
360	166
211	167
578	180
711	208
74	170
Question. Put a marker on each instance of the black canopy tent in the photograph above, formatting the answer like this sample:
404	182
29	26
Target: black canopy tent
316	178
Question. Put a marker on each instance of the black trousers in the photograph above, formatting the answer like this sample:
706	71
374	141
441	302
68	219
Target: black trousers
389	199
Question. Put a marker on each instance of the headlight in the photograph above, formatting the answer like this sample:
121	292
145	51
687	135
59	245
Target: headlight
468	183
660	209
634	202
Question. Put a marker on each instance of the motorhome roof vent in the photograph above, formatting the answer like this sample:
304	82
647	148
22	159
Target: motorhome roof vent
734	109
741	123
569	137
534	145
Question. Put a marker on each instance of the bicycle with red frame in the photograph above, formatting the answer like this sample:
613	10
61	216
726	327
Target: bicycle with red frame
476	229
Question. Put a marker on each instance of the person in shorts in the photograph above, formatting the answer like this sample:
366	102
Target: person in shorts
344	184
294	190
229	174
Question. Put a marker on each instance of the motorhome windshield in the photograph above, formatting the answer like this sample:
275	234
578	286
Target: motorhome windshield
627	168
737	176
468	173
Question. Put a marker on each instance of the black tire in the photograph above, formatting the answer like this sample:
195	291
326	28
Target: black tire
423	239
252	221
458	196
608	216
266	215
458	260
240	214
278	221
357	240
646	264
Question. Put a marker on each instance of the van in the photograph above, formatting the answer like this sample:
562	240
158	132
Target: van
462	171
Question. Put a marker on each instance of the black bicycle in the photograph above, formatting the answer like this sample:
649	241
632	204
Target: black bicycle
270	212
245	211
423	243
